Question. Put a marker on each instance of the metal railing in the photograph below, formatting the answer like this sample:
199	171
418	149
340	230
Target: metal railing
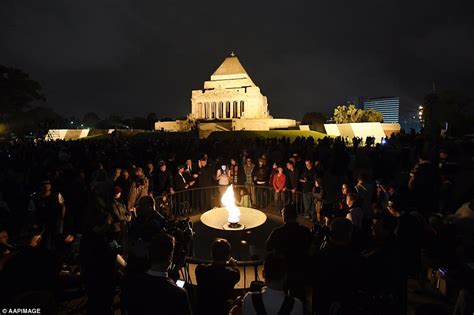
199	200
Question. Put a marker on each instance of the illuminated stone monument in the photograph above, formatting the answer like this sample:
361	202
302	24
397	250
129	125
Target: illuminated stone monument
230	100
230	94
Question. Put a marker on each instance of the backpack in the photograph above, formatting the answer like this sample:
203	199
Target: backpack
285	309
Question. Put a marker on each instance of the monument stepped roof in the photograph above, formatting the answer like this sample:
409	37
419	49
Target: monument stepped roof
231	66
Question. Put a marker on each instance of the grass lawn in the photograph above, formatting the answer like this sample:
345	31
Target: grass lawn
292	134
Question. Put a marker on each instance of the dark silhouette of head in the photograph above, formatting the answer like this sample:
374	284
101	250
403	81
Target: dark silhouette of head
289	213
161	251
274	269
221	250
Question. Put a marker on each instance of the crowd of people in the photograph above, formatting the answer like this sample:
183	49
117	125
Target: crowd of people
375	216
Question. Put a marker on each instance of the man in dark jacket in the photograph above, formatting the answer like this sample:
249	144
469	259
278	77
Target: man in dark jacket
215	282
164	180
120	215
423	185
337	271
204	181
307	183
99	268
153	290
261	176
291	181
48	210
293	241
180	180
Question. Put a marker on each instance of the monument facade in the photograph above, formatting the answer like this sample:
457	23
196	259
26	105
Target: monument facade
230	100
229	94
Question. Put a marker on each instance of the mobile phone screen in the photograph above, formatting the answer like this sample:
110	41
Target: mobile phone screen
180	283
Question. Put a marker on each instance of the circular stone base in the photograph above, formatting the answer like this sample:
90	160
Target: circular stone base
249	218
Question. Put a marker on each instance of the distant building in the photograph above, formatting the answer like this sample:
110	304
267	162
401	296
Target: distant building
388	106
229	94
230	100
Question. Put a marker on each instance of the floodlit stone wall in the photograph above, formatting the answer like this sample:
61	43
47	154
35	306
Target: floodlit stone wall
363	130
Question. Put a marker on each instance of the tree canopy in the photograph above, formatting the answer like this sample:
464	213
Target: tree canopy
315	121
350	114
17	90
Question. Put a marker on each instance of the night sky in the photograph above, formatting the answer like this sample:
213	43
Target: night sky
136	57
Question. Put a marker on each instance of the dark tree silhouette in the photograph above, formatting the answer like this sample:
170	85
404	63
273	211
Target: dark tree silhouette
17	90
315	120
90	119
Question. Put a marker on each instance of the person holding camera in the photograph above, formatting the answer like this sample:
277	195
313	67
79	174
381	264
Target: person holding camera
223	178
216	281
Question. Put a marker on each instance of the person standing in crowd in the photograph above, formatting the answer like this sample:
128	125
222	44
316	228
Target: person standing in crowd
355	213
279	185
204	181
318	198
5	247
150	176
382	193
125	182
249	184
409	233
180	180
189	169
99	266
181	183
292	241
260	178
336	271
48	210
364	192
342	208
164	180
272	299
216	281
385	280
116	175
423	185
307	182
291	181
154	290
29	275
223	179
273	172
237	175
120	215
138	190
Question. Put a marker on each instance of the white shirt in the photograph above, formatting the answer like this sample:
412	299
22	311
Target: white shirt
272	300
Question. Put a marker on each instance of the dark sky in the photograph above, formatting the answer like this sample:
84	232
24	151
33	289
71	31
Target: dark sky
135	57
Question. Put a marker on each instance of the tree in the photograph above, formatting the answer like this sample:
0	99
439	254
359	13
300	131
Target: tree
17	90
37	120
350	114
90	119
315	121
372	115
151	119
450	108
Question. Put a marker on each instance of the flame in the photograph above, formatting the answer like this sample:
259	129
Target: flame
228	201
